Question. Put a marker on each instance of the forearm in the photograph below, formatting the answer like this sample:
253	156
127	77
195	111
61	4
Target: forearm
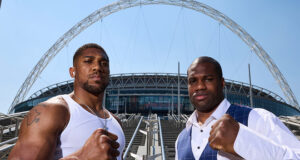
29	152
252	145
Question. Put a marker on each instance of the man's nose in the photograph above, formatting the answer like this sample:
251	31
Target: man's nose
96	67
200	85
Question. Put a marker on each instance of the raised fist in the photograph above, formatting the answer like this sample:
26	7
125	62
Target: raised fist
223	134
101	145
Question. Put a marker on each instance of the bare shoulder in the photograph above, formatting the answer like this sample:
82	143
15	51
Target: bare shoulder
54	111
40	130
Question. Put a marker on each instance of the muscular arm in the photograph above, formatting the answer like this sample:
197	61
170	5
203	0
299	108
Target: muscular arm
266	138
39	132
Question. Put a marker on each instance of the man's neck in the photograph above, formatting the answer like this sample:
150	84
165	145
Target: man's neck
203	116
86	98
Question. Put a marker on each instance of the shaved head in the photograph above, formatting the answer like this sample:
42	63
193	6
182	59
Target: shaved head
205	59
80	50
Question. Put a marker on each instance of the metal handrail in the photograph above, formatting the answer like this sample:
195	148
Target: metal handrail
7	147
161	141
175	118
184	117
132	138
8	142
130	117
14	115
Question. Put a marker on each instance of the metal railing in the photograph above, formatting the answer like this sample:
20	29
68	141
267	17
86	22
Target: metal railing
178	122
184	118
8	144
161	141
132	138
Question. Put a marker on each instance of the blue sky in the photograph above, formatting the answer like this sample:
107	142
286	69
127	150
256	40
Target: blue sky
148	39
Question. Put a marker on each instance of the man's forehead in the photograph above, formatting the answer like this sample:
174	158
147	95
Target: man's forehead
201	69
92	53
200	74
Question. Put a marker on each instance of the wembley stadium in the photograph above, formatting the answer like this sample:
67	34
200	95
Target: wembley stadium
158	93
152	107
147	105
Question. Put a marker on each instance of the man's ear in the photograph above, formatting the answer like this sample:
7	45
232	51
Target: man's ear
223	82
72	72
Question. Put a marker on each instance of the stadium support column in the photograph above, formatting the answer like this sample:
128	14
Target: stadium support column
172	105
178	102
125	105
118	102
250	88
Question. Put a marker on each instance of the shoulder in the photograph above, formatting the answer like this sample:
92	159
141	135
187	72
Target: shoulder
40	129
51	113
55	106
235	107
264	121
263	114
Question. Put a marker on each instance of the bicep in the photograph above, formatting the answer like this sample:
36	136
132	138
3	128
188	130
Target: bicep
38	135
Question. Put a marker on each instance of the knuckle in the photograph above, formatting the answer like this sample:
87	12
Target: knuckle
220	135
104	138
209	139
116	153
101	131
222	124
211	145
104	147
211	131
116	145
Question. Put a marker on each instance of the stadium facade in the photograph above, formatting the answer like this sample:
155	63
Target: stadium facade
158	93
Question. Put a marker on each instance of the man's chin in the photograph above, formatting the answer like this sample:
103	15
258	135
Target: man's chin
204	108
94	89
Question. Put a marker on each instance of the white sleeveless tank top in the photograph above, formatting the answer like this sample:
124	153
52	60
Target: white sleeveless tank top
81	126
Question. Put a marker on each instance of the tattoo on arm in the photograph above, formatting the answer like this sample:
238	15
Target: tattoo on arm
33	117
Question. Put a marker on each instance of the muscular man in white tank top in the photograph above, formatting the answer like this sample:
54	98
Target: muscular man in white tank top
74	126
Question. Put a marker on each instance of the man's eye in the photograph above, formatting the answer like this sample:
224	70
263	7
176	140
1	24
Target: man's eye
87	61
104	64
209	79
192	80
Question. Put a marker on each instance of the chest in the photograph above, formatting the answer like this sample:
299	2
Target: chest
81	127
199	143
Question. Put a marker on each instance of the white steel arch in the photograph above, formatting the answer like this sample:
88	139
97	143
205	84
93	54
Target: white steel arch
123	4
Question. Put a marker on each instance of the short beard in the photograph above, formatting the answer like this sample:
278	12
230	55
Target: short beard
94	90
210	106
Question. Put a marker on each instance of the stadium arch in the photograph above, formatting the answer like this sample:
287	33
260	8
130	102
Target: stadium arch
124	4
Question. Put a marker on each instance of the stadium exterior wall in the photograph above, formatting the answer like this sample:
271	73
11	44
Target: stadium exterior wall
157	93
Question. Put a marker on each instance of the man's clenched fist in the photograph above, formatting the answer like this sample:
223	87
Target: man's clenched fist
101	145
223	134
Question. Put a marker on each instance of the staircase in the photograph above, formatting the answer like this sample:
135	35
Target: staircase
170	131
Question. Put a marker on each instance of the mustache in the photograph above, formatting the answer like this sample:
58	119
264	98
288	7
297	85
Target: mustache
97	74
199	93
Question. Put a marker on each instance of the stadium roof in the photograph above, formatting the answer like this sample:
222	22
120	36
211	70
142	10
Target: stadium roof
157	80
